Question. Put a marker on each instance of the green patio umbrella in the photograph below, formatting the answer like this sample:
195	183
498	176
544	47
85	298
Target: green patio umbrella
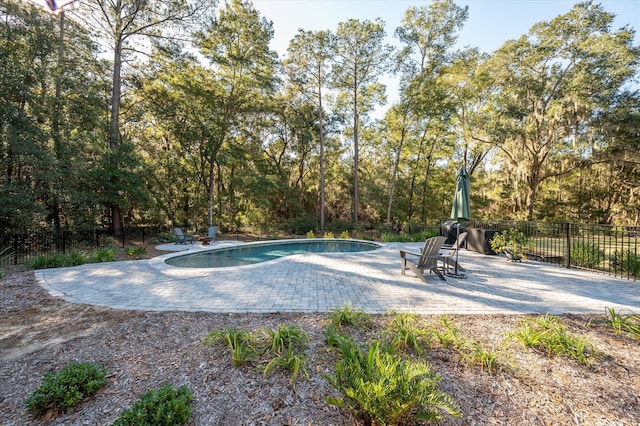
461	209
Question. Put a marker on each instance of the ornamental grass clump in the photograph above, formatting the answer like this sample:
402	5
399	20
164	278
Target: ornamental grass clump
624	323
63	390
240	344
162	407
549	335
382	388
350	317
286	346
404	333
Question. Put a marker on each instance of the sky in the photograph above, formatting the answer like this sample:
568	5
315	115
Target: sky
489	25
490	22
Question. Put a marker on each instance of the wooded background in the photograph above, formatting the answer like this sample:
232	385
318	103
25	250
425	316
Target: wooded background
125	112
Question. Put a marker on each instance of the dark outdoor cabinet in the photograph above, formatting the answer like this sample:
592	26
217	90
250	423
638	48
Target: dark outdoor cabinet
480	240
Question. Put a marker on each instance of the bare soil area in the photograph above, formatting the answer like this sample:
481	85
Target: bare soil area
145	350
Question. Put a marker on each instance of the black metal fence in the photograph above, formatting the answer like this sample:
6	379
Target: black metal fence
19	248
610	249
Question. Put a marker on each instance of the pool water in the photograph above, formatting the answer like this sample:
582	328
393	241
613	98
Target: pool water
248	254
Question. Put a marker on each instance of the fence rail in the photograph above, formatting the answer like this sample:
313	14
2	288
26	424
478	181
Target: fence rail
19	248
609	249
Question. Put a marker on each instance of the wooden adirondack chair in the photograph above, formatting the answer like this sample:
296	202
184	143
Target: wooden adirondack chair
427	259
182	238
447	259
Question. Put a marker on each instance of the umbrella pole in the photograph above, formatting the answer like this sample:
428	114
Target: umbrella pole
455	273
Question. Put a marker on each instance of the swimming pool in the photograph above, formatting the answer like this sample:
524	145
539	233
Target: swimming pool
248	254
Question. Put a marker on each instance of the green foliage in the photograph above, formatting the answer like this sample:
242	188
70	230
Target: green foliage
328	235
300	226
344	235
389	237
5	254
107	254
513	242
624	323
163	237
310	234
284	337
586	254
65	389
57	260
475	353
449	333
381	388
350	317
404	333
162	407
239	342
625	261
136	251
549	335
290	360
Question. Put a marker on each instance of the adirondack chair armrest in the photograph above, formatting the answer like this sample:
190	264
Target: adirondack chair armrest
403	253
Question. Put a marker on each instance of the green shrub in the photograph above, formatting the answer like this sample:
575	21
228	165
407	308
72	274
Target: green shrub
300	226
73	258
418	237
107	254
513	242
381	388
162	407
43	261
136	251
586	254
310	234
328	235
549	335
63	390
626	261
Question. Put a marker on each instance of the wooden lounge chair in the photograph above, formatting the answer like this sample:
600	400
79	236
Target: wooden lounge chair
182	238
447	259
427	259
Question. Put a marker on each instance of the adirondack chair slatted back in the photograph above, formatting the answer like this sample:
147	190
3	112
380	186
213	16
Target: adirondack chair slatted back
429	258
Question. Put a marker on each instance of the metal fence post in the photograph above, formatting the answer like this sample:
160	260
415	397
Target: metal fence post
568	245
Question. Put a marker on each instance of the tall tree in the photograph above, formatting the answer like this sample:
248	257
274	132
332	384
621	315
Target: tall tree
122	23
361	57
237	46
307	66
550	87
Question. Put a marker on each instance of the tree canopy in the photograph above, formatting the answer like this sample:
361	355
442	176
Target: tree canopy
193	120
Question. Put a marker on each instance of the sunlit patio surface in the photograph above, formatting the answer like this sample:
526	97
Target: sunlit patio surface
320	282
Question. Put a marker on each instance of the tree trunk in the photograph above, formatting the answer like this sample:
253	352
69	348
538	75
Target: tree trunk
355	158
394	174
321	124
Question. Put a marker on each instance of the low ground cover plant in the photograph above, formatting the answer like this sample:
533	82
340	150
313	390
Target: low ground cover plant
349	316
63	390
380	387
551	336
162	407
623	323
283	347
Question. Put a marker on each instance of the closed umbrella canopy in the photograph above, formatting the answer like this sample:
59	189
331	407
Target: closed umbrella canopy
461	209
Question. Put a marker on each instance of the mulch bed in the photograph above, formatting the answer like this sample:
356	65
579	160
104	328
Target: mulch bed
145	350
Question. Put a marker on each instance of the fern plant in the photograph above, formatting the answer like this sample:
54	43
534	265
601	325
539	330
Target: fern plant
381	388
